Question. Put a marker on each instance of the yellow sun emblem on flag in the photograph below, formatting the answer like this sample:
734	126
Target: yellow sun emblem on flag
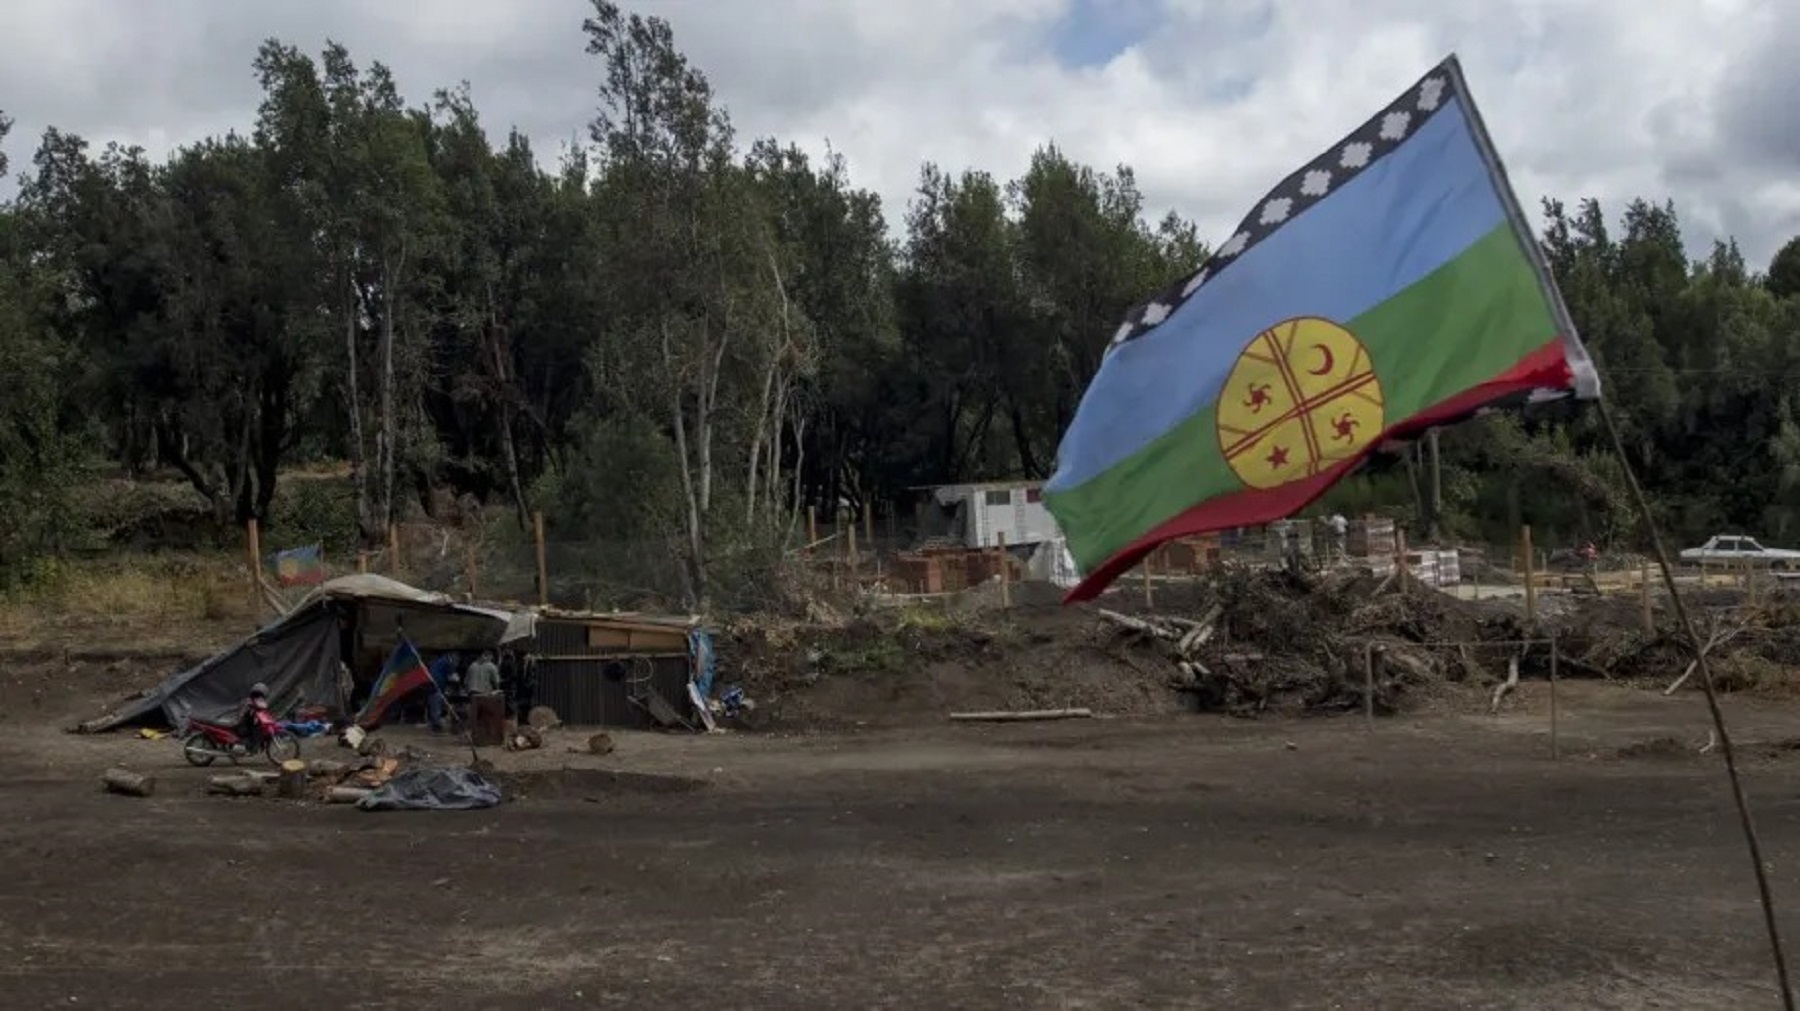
1302	398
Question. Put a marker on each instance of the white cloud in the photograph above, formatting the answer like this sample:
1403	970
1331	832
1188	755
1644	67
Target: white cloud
1224	98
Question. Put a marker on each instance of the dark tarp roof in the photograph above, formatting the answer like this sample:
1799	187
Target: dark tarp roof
296	655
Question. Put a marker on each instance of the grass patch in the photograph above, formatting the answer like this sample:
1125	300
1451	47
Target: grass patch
154	603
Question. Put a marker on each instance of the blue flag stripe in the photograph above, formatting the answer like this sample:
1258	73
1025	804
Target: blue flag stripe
1405	216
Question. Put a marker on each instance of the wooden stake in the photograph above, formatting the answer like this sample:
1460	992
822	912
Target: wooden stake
362	561
253	543
869	525
1526	553
394	550
1555	745
1005	574
543	565
1644	602
472	570
849	542
812	524
1149	593
1021	716
1369	685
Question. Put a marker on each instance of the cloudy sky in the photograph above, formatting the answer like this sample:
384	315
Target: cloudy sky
1212	101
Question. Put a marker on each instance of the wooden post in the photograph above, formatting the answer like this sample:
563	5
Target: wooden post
869	525
543	566
291	783
812	524
253	545
362	561
1525	552
1149	592
1555	744
1369	685
1644	601
848	525
1005	573
1434	530
394	550
1401	569
471	567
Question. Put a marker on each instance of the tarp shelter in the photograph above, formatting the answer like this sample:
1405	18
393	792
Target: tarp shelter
298	655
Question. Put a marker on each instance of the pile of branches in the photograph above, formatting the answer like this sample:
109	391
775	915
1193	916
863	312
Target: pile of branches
1263	640
1284	640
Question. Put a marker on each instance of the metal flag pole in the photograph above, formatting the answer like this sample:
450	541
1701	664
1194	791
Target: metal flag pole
1745	820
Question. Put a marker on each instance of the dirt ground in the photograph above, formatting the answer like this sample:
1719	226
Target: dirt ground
1443	860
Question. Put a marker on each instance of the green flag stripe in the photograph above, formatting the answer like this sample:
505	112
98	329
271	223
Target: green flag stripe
1461	325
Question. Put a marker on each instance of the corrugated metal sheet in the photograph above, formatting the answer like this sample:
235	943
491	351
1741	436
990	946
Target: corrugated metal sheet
573	677
584	693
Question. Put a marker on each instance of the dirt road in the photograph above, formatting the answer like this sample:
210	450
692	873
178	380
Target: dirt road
1443	861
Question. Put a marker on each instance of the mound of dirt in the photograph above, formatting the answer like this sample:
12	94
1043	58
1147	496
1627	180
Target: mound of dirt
896	669
1241	640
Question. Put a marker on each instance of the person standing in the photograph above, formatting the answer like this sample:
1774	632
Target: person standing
1340	532
444	680
483	677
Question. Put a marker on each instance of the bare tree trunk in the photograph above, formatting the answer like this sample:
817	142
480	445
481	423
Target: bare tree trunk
501	360
696	569
385	441
799	469
778	413
765	408
358	462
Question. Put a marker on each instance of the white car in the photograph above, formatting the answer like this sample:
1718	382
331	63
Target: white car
1732	550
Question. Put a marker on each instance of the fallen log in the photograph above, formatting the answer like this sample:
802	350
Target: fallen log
1202	631
235	786
128	783
325	768
1021	715
1140	625
291	784
1717	638
345	794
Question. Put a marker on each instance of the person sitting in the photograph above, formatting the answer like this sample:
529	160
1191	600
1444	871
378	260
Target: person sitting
257	700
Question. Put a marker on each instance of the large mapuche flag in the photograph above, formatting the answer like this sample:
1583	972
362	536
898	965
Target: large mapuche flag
1391	285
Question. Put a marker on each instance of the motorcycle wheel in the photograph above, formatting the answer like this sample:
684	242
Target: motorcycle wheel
198	749
281	747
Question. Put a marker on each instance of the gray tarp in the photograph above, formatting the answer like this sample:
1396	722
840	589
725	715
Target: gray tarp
433	789
297	657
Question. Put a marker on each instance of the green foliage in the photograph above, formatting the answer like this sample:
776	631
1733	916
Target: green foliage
673	342
313	510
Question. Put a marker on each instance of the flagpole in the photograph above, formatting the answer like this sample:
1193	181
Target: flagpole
1587	382
1745	820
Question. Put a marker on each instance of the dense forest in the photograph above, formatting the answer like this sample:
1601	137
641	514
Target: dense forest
683	337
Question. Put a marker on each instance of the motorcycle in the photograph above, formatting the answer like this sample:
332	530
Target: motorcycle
205	741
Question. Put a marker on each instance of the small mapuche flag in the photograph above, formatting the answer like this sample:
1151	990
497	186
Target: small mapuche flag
300	566
1391	285
404	673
